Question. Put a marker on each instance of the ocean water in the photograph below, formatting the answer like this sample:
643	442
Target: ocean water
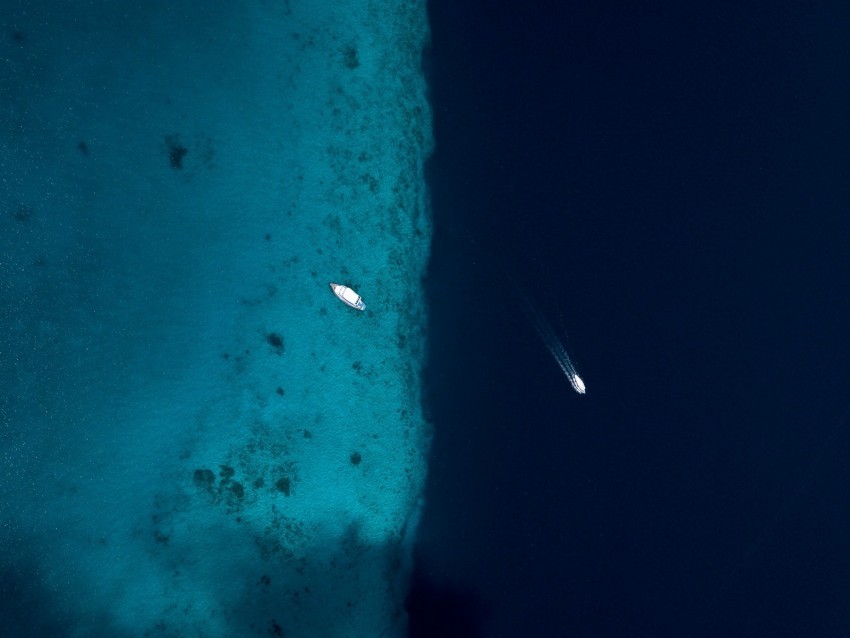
667	183
198	438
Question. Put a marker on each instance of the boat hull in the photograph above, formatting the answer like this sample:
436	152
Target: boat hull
347	296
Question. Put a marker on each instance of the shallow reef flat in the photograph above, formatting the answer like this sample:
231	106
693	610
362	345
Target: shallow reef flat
200	438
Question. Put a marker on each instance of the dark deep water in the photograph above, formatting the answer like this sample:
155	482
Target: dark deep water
669	183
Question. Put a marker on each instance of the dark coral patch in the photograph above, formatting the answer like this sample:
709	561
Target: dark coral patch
204	478
284	485
276	342
355	458
23	213
176	151
350	57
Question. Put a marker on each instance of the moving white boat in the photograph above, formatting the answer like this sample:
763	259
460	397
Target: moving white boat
348	296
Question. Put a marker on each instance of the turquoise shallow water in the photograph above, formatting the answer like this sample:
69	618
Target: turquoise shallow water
198	438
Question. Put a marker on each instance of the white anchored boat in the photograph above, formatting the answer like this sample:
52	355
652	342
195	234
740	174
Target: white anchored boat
348	296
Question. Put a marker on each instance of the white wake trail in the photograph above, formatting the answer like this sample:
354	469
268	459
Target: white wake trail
556	348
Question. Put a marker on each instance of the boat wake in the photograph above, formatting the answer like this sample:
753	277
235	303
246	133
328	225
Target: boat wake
556	348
